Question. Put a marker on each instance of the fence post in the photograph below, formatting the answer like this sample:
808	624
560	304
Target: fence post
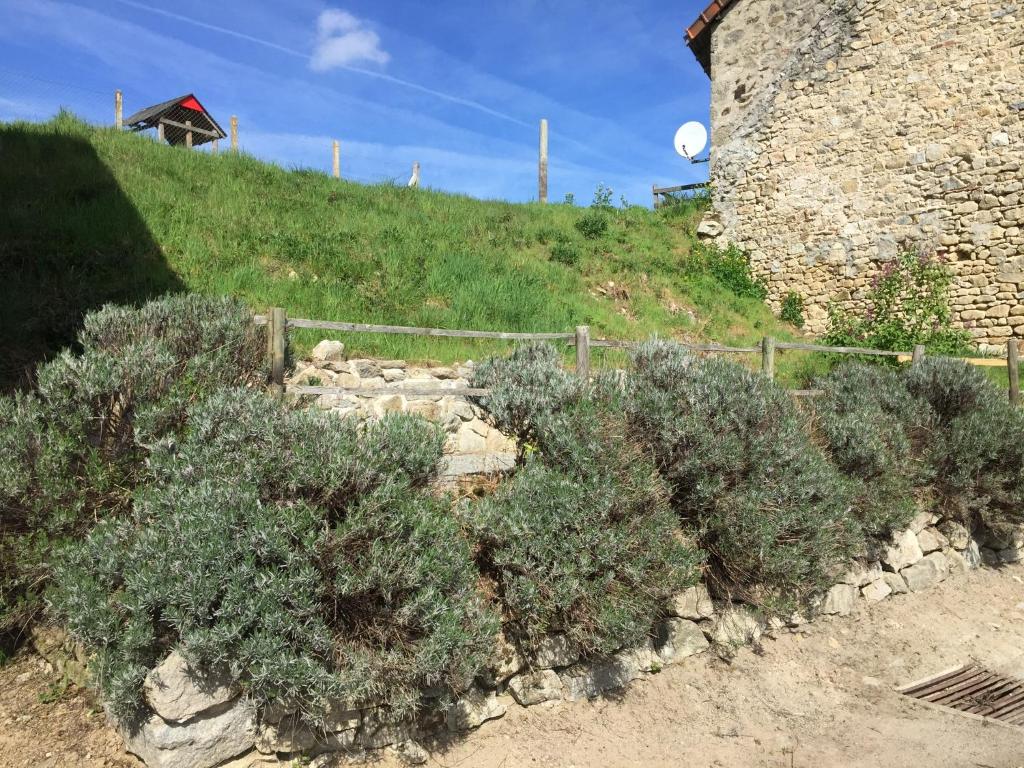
214	148
542	166
234	133
414	180
918	355
160	132
118	122
188	134
583	351
654	197
1013	368
336	165
768	357
278	338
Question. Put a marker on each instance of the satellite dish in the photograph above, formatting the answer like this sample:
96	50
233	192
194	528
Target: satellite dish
691	138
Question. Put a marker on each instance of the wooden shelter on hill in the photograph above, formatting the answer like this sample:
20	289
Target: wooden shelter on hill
179	121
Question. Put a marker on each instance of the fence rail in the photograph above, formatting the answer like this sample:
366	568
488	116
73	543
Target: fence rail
663	195
278	324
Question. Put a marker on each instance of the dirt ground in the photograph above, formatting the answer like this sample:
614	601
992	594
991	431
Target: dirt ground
818	698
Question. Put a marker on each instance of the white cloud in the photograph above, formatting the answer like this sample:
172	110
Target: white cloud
343	40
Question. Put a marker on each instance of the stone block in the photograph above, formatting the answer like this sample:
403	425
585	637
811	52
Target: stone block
926	573
328	351
901	551
877	590
203	742
536	687
930	540
474	709
862	573
692	603
737	626
678	639
177	691
839	600
895	582
554	651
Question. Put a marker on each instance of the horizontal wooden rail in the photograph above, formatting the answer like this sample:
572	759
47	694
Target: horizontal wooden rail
303	389
678	188
838	350
984	362
329	325
191	128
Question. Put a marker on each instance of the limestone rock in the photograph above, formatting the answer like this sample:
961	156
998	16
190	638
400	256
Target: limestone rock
957	535
876	591
862	573
293	735
709	228
328	351
895	582
678	639
840	600
921	521
201	743
177	692
411	753
474	709
972	555
591	680
927	573
554	651
737	626
930	540
901	551
377	731
692	603
536	687
505	661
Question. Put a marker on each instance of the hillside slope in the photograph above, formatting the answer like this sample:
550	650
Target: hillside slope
92	215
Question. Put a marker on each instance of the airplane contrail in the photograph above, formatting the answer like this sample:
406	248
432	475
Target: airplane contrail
469	103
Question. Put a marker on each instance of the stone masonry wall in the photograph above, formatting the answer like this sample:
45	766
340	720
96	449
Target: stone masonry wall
843	130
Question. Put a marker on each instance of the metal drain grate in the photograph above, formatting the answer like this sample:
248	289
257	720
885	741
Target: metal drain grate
974	690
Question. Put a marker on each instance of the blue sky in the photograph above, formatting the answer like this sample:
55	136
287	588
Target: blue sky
457	85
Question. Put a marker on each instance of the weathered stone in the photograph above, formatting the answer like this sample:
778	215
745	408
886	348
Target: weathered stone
709	228
328	351
862	573
200	743
505	661
393	374
692	603
876	591
474	709
177	692
957	535
930	540
591	680
411	753
839	600
679	638
737	626
972	555
554	651
895	582
293	735
926	573
468	440
902	550
379	731
536	687
921	521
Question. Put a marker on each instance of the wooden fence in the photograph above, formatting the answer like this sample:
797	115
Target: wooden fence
278	324
661	196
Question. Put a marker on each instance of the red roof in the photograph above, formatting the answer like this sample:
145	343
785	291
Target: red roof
698	34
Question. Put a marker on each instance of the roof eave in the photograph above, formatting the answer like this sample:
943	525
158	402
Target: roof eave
698	34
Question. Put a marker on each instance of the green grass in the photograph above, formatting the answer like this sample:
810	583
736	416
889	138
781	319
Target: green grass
93	215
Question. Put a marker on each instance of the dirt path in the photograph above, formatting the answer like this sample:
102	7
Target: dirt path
813	699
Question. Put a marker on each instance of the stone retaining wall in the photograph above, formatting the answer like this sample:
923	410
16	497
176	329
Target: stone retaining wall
200	722
842	130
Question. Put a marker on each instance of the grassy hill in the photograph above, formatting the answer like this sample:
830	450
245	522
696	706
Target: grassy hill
93	215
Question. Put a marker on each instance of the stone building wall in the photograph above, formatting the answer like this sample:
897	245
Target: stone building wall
843	130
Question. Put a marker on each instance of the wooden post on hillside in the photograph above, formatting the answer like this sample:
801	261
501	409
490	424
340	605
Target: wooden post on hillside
160	131
542	165
654	197
234	133
768	357
414	180
583	351
918	355
118	122
214	148
1013	369
336	163
277	326
188	134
